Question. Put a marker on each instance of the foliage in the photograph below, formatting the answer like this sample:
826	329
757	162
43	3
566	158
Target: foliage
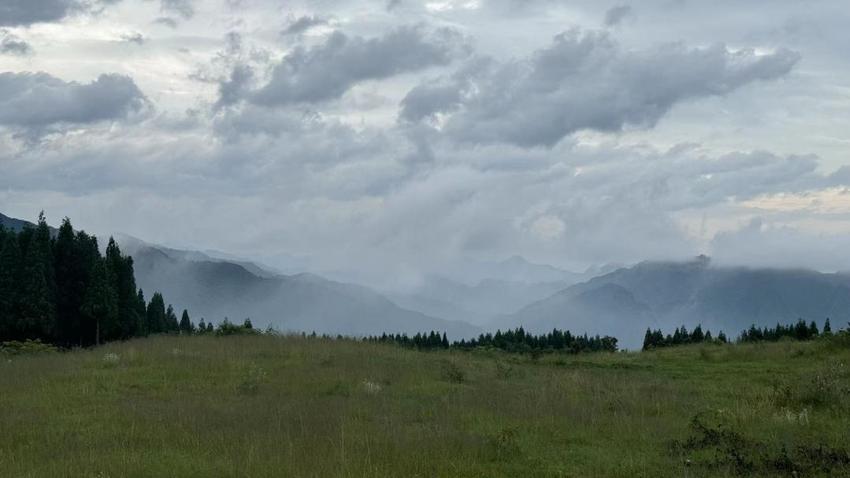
719	446
515	341
799	331
654	339
27	347
56	287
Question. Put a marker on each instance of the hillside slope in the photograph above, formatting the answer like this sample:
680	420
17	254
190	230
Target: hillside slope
667	295
218	289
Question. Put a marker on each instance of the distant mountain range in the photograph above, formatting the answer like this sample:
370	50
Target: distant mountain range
217	288
14	224
622	302
662	295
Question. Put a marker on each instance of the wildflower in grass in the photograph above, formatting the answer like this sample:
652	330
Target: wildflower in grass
111	358
371	388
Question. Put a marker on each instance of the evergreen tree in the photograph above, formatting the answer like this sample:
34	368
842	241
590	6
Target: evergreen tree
202	326
186	326
247	324
171	324
11	265
100	305
37	313
155	315
827	327
121	269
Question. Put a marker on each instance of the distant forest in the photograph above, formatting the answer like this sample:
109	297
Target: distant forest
516	341
799	331
55	286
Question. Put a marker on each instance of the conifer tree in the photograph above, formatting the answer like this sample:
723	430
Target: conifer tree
100	305
186	327
11	263
171	324
156	314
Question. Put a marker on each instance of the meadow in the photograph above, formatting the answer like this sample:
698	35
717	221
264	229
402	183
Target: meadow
272	406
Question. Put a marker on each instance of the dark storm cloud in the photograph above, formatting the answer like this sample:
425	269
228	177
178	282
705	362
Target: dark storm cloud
327	71
587	81
37	100
302	24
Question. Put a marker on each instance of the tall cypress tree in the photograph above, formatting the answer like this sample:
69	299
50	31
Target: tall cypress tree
156	314
37	312
11	263
71	282
171	324
101	305
125	285
186	326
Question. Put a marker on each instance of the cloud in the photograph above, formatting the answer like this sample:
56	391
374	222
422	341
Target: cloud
615	15
27	12
304	23
328	70
585	80
166	21
13	45
134	37
182	8
34	101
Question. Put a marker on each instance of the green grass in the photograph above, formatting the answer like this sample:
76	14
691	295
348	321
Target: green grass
262	406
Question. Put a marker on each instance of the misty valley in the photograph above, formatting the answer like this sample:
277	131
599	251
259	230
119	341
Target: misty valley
230	354
424	238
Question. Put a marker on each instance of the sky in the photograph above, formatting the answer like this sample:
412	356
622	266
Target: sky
393	136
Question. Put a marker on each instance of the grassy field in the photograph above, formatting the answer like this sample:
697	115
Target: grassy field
263	406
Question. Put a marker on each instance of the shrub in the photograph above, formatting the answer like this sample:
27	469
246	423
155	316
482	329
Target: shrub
504	445
827	387
27	347
452	373
718	446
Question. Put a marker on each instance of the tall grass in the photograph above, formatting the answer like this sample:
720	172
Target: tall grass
263	406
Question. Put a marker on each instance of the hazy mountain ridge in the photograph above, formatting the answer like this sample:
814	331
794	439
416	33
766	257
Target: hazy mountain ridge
667	295
216	289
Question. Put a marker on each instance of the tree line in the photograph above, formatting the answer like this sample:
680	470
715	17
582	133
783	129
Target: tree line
59	288
798	331
515	340
654	339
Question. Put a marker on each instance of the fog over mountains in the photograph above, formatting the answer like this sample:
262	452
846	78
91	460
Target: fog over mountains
621	302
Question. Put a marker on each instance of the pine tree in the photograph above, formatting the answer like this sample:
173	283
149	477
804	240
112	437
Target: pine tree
11	264
156	314
171	324
647	340
827	327
100	305
186	327
37	312
247	324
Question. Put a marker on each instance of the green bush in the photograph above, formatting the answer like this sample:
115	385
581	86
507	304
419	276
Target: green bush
27	347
